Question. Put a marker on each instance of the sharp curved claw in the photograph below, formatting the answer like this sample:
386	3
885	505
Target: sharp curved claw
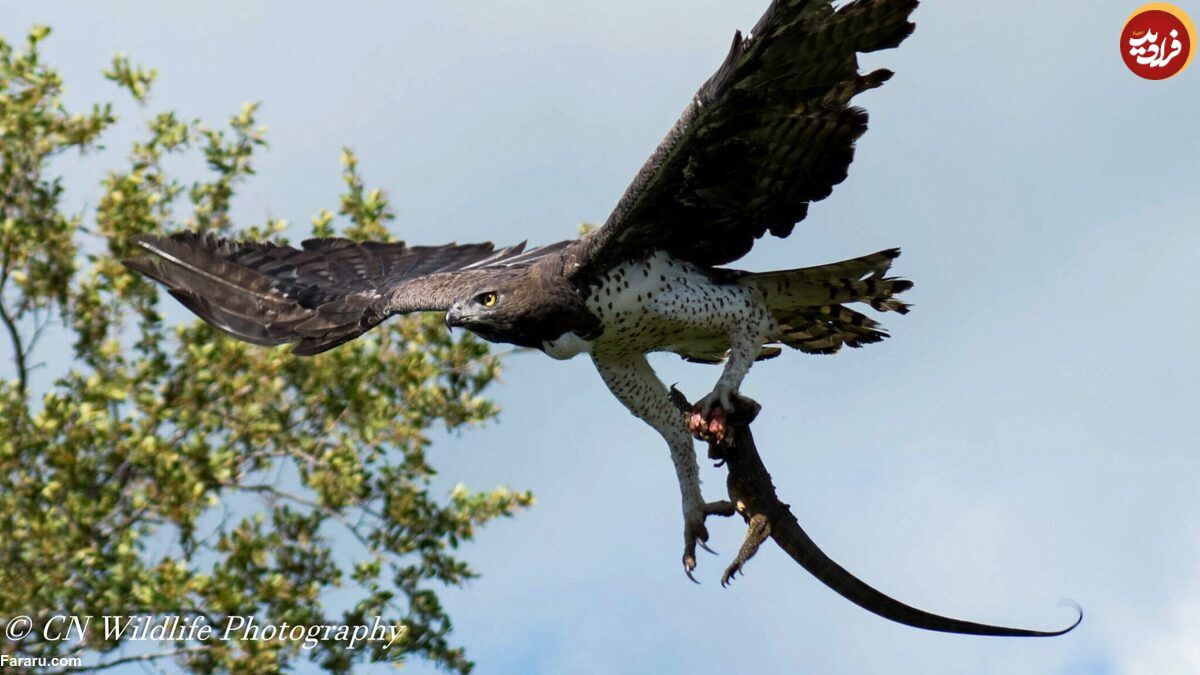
694	534
729	575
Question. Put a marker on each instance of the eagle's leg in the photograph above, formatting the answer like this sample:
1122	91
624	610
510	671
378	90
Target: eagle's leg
746	338
633	382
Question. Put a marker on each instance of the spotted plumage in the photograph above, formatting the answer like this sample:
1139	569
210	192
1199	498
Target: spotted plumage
770	132
665	304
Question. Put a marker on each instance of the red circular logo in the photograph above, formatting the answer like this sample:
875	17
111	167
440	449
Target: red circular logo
1158	41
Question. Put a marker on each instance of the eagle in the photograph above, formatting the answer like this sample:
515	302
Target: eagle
770	132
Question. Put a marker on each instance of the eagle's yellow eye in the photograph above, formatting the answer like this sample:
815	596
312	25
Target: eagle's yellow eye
487	299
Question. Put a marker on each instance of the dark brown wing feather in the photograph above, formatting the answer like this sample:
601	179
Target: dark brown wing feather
319	296
771	131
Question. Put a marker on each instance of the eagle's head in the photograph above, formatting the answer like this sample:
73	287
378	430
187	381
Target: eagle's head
494	314
525	310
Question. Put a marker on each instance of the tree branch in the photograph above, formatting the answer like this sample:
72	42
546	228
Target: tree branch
10	322
752	494
18	346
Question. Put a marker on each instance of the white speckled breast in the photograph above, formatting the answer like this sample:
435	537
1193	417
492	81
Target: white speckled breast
662	304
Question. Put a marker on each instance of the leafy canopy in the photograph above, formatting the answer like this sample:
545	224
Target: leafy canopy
180	472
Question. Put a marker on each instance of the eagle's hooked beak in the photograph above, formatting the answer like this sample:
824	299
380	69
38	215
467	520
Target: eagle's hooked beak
454	317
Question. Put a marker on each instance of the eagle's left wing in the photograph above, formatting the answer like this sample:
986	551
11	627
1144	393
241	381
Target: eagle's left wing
769	132
325	293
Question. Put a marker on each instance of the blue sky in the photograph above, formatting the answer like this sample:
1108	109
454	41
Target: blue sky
1029	433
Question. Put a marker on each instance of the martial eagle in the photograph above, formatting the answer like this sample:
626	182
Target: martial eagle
770	132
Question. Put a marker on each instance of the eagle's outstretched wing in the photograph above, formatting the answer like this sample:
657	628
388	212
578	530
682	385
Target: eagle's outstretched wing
326	293
769	132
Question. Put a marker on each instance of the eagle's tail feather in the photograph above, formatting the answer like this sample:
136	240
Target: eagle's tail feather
809	304
208	276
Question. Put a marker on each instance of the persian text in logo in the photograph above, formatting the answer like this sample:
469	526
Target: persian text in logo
1158	41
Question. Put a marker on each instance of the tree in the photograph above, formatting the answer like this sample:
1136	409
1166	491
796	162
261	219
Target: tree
183	473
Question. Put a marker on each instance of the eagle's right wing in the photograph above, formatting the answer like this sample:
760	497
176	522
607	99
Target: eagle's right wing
326	293
770	132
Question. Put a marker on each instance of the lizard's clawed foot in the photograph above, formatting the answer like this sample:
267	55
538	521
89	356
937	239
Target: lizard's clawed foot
758	531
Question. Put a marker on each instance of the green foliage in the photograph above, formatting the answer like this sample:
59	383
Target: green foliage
181	472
